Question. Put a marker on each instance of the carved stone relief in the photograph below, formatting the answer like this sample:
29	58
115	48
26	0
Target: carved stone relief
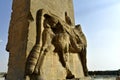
59	36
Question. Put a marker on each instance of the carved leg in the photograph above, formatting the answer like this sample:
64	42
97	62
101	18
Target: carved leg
82	57
40	61
69	73
63	57
32	60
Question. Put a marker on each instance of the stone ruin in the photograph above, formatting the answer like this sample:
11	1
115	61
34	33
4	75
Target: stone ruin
44	43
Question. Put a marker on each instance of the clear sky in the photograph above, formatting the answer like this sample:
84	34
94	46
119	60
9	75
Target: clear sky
100	21
5	12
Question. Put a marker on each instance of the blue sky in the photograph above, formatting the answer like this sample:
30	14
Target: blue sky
5	7
100	21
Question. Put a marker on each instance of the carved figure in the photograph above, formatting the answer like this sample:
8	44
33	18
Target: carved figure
43	42
35	52
47	36
82	42
53	34
61	42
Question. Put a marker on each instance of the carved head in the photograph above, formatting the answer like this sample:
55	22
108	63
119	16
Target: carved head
78	27
78	31
50	20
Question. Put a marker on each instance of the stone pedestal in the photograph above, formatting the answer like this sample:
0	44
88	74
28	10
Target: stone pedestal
22	37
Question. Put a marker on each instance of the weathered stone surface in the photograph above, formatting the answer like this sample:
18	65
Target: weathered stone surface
27	36
17	40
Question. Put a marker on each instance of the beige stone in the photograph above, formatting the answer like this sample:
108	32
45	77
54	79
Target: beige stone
32	50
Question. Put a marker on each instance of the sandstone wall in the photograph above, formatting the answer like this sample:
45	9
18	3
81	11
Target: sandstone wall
17	40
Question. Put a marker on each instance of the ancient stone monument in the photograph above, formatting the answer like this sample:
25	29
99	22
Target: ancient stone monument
44	43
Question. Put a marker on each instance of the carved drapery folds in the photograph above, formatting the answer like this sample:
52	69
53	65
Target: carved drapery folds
56	35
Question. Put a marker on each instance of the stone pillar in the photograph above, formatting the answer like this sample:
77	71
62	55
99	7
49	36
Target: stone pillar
17	39
22	37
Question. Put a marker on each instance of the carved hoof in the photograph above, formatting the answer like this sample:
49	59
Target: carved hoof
30	70
36	71
70	76
86	74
